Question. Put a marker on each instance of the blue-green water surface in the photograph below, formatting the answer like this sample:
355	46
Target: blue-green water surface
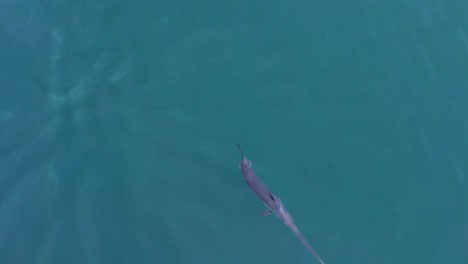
118	123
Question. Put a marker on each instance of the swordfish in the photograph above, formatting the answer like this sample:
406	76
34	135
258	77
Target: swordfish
272	202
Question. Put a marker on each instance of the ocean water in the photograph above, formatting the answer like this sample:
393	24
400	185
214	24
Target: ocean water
118	123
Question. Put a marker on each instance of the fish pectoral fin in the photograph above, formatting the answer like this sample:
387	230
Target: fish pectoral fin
265	212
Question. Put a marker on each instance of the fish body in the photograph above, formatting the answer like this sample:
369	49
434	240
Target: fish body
272	202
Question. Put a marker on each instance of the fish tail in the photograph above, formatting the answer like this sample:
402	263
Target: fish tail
306	244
